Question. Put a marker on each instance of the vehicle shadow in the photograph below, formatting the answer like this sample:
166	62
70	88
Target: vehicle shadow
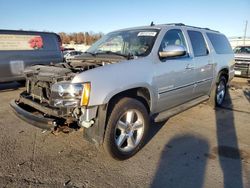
9	86
246	92
184	158
228	149
154	128
182	163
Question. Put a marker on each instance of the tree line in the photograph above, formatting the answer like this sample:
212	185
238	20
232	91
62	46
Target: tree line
87	38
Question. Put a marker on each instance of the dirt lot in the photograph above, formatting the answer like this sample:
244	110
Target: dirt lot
200	147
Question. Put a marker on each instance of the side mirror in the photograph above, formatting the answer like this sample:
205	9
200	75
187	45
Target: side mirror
173	51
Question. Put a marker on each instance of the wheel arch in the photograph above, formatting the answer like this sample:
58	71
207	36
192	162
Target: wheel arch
223	72
140	93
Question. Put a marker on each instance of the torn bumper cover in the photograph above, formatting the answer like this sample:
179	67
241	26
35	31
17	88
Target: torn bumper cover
35	119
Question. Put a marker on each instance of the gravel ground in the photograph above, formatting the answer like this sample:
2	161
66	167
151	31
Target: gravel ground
200	147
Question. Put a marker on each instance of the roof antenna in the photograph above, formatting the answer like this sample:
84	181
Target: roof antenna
152	24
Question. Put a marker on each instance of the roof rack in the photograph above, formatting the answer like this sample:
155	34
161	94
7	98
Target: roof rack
181	24
176	24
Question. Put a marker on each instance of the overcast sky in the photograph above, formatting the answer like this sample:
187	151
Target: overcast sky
226	16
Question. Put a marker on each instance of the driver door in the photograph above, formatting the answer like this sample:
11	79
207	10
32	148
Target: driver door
174	77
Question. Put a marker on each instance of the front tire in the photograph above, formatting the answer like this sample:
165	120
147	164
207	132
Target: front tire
127	129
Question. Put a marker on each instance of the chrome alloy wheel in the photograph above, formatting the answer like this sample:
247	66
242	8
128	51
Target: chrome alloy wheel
129	130
221	91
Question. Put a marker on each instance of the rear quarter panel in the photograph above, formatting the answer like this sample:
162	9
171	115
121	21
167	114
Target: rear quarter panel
222	61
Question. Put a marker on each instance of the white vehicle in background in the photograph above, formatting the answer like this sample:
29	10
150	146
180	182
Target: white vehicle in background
71	55
242	61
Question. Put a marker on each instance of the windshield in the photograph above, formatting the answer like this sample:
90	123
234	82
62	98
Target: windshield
129	42
242	50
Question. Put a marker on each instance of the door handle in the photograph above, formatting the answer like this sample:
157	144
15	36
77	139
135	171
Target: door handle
189	67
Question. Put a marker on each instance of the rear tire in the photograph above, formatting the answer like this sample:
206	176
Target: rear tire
218	92
127	129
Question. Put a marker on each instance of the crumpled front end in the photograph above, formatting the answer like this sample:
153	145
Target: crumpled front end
51	100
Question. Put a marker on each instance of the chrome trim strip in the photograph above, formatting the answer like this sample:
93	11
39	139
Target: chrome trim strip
187	85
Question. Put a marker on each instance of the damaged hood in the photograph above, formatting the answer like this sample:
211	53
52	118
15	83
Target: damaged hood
66	71
48	73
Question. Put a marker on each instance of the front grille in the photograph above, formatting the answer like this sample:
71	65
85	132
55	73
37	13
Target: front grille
242	60
242	69
242	66
46	109
39	90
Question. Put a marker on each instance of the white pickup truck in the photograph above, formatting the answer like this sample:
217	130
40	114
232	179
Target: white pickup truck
242	61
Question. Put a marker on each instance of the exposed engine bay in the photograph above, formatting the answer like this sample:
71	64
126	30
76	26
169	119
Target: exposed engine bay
64	71
40	78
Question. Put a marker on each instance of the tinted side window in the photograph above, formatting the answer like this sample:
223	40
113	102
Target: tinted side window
198	43
173	37
220	43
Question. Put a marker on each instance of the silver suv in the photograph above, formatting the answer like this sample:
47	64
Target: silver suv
127	78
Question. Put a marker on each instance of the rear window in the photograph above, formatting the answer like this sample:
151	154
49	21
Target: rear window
198	43
220	43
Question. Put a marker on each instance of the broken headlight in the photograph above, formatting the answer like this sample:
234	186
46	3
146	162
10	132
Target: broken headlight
66	94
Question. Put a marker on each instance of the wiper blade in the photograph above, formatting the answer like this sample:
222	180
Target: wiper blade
129	56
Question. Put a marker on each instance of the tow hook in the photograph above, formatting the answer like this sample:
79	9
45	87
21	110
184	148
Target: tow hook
87	124
54	123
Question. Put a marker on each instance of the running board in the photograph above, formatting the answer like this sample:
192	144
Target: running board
162	116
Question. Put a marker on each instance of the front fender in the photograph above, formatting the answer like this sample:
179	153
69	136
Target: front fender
134	86
110	80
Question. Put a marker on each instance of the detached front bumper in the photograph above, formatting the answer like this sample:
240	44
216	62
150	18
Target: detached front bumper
35	119
50	118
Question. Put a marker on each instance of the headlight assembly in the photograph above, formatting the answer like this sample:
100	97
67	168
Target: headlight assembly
66	94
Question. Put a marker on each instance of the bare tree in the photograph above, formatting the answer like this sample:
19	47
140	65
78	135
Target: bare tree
87	38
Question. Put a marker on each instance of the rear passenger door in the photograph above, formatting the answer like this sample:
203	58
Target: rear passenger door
204	63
